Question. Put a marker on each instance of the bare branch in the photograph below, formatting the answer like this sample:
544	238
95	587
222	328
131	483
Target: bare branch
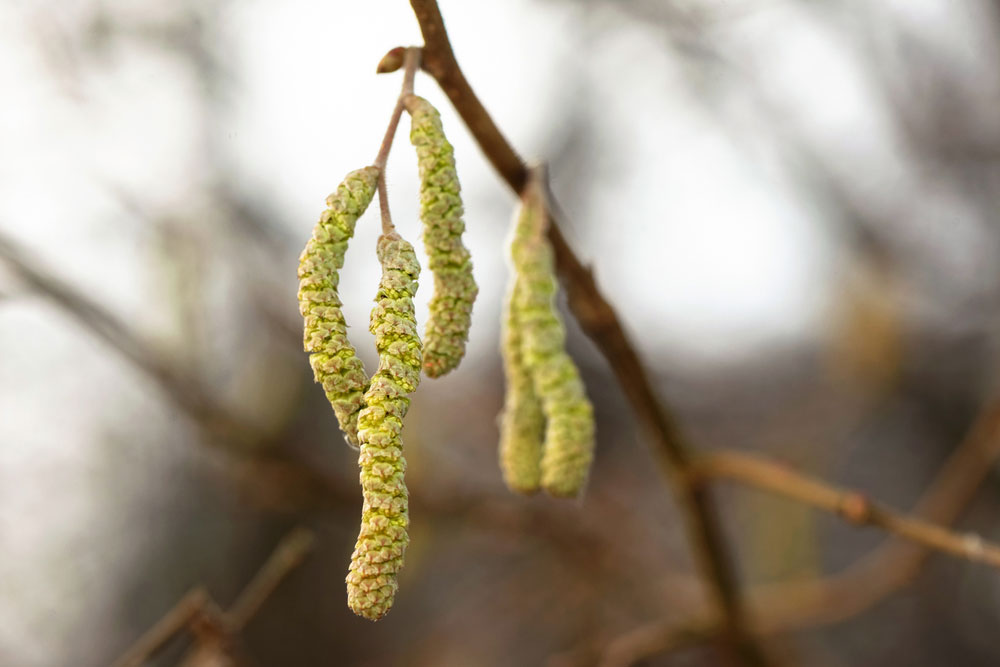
286	557
198	612
896	563
850	505
601	324
786	607
173	622
185	392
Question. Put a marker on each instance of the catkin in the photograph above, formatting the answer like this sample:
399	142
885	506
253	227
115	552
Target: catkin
378	555
333	359
455	288
569	417
522	423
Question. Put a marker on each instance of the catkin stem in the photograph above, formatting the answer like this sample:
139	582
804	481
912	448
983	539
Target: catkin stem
411	60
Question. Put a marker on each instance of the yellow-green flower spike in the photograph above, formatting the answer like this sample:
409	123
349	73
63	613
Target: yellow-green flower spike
455	288
333	359
569	417
378	555
522	423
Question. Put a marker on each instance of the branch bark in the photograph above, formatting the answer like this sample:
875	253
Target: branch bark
198	612
600	322
787	607
184	390
852	506
895	563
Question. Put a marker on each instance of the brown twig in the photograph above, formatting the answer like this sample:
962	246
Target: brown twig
785	607
184	390
601	324
173	622
656	639
411	61
286	557
850	505
198	612
896	563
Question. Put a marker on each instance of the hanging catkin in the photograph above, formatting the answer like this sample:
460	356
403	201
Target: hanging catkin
333	359
569	417
522	423
378	555
441	211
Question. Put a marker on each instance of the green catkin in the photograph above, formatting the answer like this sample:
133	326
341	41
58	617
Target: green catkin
522	424
569	417
455	288
333	359
378	555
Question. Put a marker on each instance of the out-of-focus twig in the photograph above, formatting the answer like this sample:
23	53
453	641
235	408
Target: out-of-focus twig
786	607
896	563
286	557
184	391
654	639
198	612
852	506
173	622
600	322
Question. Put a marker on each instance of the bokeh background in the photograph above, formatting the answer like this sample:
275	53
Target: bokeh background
793	205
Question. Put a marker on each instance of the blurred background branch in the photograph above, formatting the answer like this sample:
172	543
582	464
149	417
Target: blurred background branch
792	205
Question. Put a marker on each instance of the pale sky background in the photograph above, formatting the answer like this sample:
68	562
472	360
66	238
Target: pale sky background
698	232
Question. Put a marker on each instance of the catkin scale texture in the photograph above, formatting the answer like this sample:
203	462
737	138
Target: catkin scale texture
522	423
441	211
382	541
333	359
568	447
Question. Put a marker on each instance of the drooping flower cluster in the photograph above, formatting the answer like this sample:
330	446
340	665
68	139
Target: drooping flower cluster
441	211
534	347
334	361
547	431
378	555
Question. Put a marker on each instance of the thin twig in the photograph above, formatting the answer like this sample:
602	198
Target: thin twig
656	639
895	563
173	622
286	557
786	607
198	612
411	61
850	505
186	391
601	324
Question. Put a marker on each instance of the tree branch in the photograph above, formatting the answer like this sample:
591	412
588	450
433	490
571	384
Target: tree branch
185	391
850	505
895	563
198	611
601	324
786	607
